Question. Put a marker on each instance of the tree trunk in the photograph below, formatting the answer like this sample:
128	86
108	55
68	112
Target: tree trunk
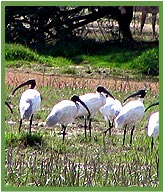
124	19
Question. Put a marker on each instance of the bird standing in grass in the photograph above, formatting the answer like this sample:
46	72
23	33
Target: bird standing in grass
30	102
131	113
110	111
94	102
65	112
153	123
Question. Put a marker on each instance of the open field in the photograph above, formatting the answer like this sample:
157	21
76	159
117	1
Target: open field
44	160
62	69
124	84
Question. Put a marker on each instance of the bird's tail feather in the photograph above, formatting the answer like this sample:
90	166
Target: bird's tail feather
51	121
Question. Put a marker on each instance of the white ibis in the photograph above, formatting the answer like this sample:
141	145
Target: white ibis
30	102
110	111
153	123
65	112
131	113
94	102
8	105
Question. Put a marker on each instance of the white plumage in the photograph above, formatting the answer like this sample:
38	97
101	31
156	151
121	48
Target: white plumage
64	113
30	102
94	102
153	123
110	111
131	113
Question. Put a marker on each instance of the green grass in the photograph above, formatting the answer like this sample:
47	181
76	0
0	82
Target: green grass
101	161
143	59
17	55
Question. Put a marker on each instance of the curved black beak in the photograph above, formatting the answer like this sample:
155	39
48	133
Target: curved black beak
76	98
8	105
102	89
31	82
153	104
141	93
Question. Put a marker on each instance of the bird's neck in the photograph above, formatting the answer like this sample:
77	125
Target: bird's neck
99	93
141	99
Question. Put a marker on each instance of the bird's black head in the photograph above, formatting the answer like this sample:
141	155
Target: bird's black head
101	89
31	82
141	93
75	98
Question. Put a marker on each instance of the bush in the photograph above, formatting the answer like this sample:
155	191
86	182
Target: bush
148	62
19	52
18	55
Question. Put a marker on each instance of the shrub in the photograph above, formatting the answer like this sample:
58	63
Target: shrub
19	52
18	55
148	62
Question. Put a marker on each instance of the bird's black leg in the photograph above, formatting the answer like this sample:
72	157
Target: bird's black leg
132	131
90	120
30	125
109	129
64	131
152	143
20	124
85	126
124	135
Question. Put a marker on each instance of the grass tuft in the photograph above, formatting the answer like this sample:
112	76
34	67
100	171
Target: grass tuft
25	139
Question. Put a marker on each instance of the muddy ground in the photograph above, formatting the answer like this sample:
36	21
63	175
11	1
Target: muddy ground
14	77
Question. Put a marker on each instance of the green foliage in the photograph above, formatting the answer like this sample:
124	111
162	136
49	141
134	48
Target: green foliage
148	62
19	52
12	139
17	55
15	139
145	60
65	49
32	140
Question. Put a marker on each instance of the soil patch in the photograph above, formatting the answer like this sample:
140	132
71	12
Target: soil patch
15	77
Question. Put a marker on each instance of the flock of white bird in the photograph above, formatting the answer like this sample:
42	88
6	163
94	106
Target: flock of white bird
87	105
